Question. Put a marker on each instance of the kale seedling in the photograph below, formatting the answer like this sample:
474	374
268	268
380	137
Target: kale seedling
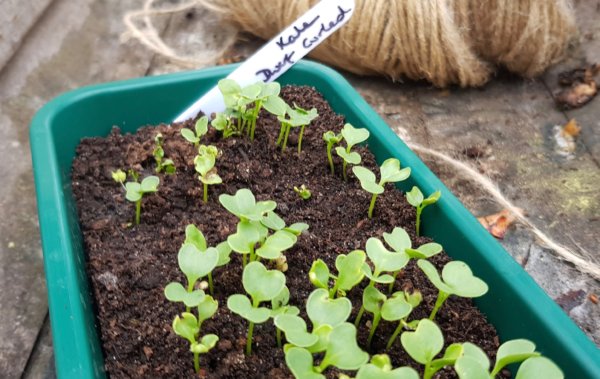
400	242
223	122
457	279
332	139
267	97
350	273
352	136
194	236
381	368
390	173
136	191
204	164
200	129
303	192
416	199
297	117
262	285
189	327
397	308
119	176
162	163
195	264
473	362
279	307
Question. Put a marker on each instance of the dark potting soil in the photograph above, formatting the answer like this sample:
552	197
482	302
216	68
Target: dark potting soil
129	266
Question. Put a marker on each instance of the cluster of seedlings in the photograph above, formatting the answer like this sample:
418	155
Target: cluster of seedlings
262	238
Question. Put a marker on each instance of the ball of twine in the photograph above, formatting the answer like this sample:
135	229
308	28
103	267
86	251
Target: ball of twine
442	41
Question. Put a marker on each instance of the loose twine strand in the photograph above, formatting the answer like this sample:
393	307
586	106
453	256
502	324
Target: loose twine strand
395	33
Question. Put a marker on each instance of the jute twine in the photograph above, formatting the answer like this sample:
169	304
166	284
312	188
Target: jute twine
442	41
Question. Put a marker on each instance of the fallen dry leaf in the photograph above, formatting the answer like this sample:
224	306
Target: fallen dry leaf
582	87
498	223
565	136
570	300
593	298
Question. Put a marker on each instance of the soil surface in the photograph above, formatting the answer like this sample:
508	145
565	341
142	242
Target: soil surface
129	266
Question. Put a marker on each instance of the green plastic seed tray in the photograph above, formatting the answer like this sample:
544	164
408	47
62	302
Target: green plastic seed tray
515	304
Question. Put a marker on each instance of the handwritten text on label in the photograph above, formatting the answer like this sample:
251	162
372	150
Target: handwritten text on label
268	73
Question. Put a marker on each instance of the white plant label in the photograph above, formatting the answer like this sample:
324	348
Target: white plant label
280	53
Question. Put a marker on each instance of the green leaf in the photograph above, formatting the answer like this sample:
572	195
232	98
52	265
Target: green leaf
244	205
452	353
186	326
275	244
260	283
224	251
270	89
133	191
118	176
414	197
295	330
194	236
539	367
383	279
177	293
342	350
458	276
207	308
322	310
425	251
150	184
398	239
204	163
349	268
282	299
381	368
424	343
368	181
319	274
383	259
206	344
275	105
251	91
322	332
189	135
240	305
353	135
247	235
331	138
396	307
373	300
468	368
391	172
201	126
272	221
211	178
300	363
514	351
297	228
196	264
477	354
433	198
350	157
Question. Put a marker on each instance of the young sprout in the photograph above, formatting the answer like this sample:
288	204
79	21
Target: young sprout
332	139
195	265
204	164
424	344
352	136
244	205
119	176
280	307
297	117
415	198
397	308
194	236
383	260
341	351
136	191
223	122
350	273
200	129
268	97
303	192
457	279
262	285
381	368
400	242
390	173
373	301
189	327
159	156
472	362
